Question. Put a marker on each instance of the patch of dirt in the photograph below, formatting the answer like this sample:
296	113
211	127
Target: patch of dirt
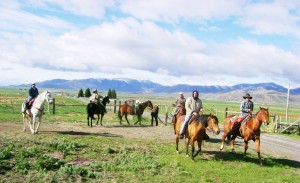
280	147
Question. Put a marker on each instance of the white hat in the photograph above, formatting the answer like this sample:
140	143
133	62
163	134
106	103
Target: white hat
180	93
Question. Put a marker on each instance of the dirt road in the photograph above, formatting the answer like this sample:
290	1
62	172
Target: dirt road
277	146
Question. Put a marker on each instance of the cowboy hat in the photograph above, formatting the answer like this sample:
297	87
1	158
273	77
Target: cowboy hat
247	95
95	90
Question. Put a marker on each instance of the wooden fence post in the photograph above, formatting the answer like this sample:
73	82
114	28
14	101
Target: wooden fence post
53	111
299	126
225	112
115	106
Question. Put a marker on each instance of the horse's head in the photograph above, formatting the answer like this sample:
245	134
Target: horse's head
149	104
48	97
213	123
182	110
263	115
105	100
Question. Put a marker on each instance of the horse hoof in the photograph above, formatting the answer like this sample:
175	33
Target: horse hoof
177	152
187	156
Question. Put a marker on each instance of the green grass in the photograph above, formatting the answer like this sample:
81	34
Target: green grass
28	158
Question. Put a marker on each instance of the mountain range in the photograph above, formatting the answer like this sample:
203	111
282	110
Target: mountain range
145	86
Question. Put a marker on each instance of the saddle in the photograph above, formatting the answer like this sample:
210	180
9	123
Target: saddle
238	122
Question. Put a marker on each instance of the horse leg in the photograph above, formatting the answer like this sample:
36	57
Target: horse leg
177	141
101	119
156	120
98	119
193	148
23	119
223	139
257	145
152	119
127	119
38	125
187	142
120	117
138	120
199	147
88	120
245	147
31	124
232	142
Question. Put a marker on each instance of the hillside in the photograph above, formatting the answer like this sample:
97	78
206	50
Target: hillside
145	86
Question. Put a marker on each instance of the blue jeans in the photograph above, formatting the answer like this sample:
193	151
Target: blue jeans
183	125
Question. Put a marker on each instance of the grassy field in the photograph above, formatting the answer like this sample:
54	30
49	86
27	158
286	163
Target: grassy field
33	158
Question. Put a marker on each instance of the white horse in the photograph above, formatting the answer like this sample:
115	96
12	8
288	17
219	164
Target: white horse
37	110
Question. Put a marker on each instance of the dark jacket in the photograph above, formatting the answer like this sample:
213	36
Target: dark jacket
33	93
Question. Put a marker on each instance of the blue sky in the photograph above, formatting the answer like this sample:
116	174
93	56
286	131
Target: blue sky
216	42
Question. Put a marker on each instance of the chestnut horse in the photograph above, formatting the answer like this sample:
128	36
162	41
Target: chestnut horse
196	131
249	131
181	111
126	109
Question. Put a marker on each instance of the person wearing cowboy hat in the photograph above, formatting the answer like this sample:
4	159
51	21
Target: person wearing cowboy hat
95	98
246	109
246	106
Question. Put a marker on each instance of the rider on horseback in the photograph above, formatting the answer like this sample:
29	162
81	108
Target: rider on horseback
33	92
246	110
180	101
95	98
193	106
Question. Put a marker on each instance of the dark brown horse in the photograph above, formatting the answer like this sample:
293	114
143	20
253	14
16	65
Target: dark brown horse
249	131
196	131
126	109
181	111
154	114
97	109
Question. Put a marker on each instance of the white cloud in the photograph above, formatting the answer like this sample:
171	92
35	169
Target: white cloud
273	17
137	47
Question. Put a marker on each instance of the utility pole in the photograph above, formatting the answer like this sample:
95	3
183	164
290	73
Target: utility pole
287	105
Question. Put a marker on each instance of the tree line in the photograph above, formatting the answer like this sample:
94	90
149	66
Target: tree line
111	93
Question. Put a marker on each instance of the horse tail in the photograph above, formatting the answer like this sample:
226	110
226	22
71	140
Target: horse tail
90	109
119	113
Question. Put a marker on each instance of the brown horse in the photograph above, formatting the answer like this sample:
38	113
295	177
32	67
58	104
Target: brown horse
196	131
181	111
126	109
249	131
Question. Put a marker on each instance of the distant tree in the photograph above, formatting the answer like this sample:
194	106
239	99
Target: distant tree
113	94
87	93
109	93
80	93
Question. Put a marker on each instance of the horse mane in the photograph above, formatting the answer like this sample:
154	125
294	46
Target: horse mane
41	94
204	118
260	109
144	103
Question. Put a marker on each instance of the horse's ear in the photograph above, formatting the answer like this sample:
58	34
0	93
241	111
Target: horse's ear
259	107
